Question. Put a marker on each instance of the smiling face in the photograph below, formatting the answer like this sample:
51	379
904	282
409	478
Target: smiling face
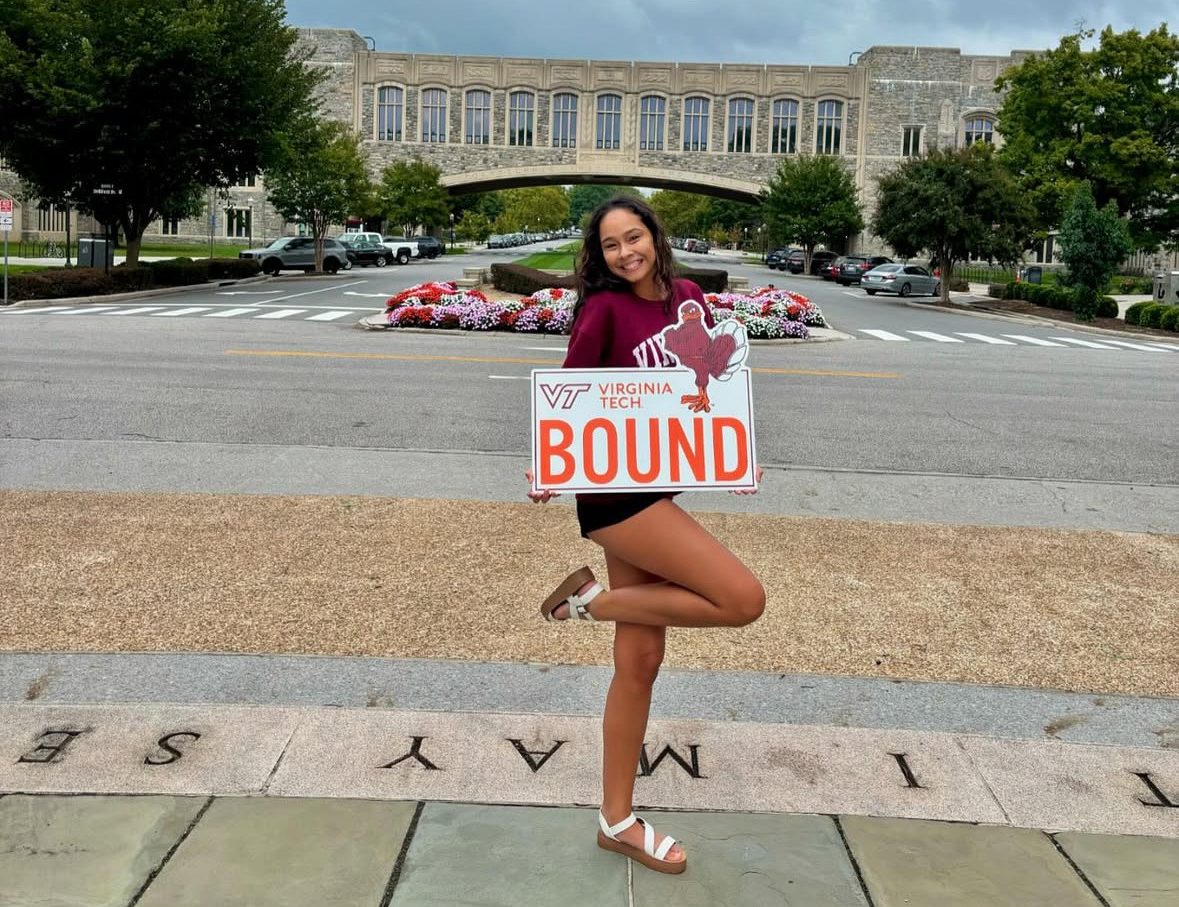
629	250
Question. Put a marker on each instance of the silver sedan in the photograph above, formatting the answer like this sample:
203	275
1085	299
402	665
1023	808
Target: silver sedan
904	280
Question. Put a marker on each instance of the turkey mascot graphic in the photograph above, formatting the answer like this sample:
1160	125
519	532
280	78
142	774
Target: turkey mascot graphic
718	353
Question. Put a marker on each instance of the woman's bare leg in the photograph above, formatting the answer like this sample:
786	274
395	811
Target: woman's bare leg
704	584
638	653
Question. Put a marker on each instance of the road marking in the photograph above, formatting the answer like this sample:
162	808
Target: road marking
227	313
87	309
367	295
174	312
282	313
1136	346
884	335
1165	346
327	316
1033	340
547	349
246	292
1088	343
52	308
985	339
823	373
138	311
354	283
510	377
940	338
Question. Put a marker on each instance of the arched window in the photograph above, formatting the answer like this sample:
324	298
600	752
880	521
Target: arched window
434	115
565	120
695	124
390	114
609	131
652	116
478	113
521	116
740	125
980	129
784	137
829	128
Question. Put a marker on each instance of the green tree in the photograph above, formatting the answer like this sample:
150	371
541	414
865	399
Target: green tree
1107	116
320	178
474	227
410	196
682	213
953	205
130	108
534	208
585	197
1093	242
812	199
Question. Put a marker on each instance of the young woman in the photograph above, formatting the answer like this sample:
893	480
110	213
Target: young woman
664	569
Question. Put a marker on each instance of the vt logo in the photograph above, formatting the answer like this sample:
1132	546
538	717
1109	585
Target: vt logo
563	396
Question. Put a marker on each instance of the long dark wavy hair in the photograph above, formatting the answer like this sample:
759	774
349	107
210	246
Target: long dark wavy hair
592	273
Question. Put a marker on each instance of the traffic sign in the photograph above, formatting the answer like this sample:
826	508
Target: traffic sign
5	214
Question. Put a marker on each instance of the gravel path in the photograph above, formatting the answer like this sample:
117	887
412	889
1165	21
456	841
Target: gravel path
1093	611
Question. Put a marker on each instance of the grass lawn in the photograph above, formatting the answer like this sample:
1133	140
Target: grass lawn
560	259
191	250
27	269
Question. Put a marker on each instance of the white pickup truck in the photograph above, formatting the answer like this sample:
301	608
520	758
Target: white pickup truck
402	249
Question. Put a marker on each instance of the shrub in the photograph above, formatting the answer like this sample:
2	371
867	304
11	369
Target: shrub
997	291
1131	285
179	272
1060	298
1134	311
1152	315
959	286
60	283
1170	319
233	268
514	278
1014	290
1107	307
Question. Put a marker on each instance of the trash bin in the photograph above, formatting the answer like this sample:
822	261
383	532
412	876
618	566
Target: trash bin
1166	287
95	252
1030	274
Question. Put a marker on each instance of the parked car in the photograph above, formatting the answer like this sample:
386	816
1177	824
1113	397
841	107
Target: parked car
297	253
695	245
366	252
904	280
776	259
855	266
430	247
401	247
830	271
797	259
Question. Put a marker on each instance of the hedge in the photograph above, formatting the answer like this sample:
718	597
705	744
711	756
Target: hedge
66	283
178	272
233	268
521	279
1055	296
1170	319
1134	311
1152	315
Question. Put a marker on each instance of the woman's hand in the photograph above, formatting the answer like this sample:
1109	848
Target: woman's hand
760	473
538	497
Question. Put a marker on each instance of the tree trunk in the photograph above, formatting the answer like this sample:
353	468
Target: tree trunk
947	275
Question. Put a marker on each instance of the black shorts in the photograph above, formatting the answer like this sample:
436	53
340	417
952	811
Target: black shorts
600	511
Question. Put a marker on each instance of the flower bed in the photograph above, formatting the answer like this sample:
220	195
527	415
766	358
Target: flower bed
766	312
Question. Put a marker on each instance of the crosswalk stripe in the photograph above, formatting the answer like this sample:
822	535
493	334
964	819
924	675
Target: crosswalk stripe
139	311
226	313
1088	343
282	313
86	310
883	335
1135	346
940	338
52	308
327	316
1034	340
174	312
998	341
1166	346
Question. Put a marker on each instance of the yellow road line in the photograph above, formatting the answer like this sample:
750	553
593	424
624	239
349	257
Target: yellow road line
312	354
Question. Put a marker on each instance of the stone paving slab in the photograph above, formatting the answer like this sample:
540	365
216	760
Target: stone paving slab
1082	788
907	863
502	856
261	852
64	851
1128	871
140	749
752	861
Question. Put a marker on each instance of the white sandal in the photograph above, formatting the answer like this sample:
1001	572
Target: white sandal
650	856
566	593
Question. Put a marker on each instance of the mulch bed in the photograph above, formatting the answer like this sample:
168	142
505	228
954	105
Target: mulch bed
1023	307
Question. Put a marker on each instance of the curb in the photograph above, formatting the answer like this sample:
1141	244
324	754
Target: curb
136	294
983	312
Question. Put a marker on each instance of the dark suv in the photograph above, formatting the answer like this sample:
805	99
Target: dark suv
797	258
777	259
855	266
430	247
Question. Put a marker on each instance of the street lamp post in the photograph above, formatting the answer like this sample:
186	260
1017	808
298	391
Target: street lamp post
250	222
452	229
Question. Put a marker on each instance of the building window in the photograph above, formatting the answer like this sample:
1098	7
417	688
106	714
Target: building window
247	182
911	141
170	225
609	132
478	117
565	121
740	125
521	114
784	138
3	164
829	134
652	115
695	124
434	115
51	219
238	222
980	129
390	108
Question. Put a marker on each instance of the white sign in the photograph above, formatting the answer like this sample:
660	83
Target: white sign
672	429
5	214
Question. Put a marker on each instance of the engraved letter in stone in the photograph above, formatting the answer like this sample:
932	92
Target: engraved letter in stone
51	751
690	765
165	743
534	764
903	764
415	751
1163	801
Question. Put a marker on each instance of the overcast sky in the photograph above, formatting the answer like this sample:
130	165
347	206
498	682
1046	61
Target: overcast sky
753	31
